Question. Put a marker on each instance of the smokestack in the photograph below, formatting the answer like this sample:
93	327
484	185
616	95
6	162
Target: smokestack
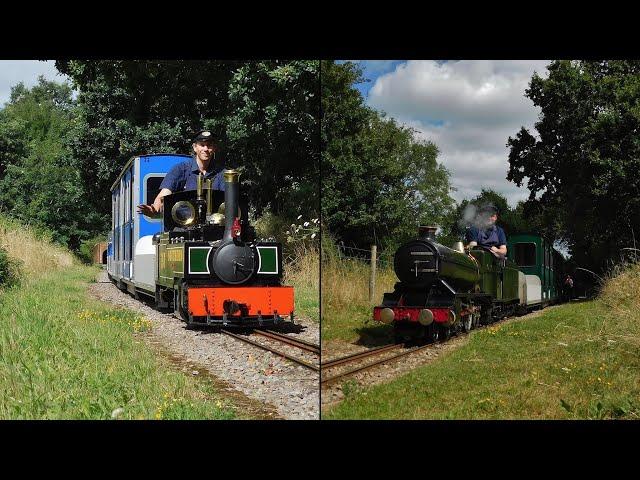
427	232
231	198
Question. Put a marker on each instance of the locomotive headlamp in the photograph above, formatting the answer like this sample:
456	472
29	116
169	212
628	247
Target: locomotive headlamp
221	210
387	315
183	213
425	317
216	219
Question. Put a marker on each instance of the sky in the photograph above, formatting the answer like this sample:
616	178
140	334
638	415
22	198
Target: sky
13	72
467	108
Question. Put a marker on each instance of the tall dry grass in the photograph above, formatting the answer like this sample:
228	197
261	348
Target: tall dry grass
33	248
621	295
346	307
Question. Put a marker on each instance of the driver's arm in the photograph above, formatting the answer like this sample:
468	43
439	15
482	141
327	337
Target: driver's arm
155	209
502	250
158	202
472	243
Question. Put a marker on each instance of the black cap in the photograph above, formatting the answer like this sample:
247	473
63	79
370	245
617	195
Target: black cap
203	135
490	209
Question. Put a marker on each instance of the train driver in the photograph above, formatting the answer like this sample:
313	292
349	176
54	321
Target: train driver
184	176
488	234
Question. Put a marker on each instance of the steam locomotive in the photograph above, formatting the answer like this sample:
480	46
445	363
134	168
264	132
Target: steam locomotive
444	290
206	262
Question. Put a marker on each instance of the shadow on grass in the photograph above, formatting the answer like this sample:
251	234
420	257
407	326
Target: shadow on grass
374	336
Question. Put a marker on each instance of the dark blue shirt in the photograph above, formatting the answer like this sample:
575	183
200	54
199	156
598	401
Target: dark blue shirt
492	236
184	176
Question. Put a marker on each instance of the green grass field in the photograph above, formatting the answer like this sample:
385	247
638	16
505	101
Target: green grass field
575	361
65	356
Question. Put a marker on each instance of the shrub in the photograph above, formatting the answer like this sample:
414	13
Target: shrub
85	251
9	270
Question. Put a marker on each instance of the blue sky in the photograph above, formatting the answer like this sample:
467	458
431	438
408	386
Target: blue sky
13	72
467	108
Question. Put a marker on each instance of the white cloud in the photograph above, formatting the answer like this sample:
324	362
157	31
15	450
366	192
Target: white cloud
13	72
468	109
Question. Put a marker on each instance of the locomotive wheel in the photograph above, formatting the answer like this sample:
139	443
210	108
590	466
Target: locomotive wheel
486	316
178	305
445	333
433	333
467	323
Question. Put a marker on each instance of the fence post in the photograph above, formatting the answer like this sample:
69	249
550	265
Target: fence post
372	277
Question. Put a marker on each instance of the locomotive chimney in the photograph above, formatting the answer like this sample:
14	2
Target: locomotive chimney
231	198
427	232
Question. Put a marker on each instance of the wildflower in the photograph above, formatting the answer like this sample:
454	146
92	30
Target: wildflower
117	412
305	224
313	235
299	217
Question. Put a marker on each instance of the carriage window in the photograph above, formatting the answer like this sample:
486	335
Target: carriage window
525	254
153	188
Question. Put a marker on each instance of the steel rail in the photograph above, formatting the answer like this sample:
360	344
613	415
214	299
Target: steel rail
359	355
370	365
277	352
310	344
294	342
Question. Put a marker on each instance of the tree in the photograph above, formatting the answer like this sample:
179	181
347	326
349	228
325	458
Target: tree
38	183
512	220
378	181
263	113
582	169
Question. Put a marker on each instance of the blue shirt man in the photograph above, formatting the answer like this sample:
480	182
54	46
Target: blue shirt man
184	176
490	236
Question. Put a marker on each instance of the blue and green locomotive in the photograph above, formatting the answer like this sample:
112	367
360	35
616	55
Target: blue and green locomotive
443	290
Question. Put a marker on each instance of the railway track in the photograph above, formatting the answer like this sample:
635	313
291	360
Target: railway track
282	340
356	358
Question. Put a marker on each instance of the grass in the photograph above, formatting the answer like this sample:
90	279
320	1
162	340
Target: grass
346	309
574	361
302	271
65	356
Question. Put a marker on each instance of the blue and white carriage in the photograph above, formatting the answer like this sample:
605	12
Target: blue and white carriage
131	254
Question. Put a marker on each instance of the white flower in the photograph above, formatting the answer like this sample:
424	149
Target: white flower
299	217
117	412
305	224
313	235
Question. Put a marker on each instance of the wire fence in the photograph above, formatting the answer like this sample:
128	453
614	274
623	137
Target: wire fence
363	255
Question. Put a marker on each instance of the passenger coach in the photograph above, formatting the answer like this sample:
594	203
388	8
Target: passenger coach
131	234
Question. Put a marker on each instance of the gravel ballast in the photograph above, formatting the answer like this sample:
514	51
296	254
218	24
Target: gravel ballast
292	390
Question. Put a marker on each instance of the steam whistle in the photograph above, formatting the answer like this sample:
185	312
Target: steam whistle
209	198
201	203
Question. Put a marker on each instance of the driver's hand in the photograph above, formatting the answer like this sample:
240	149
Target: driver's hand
148	210
494	249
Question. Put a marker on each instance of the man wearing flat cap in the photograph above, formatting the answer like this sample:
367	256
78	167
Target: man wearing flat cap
486	233
184	176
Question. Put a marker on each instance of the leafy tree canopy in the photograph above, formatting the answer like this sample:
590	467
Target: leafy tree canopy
38	182
582	167
378	181
263	113
510	219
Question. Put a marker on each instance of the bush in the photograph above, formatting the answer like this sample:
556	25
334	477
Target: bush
9	270
85	252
